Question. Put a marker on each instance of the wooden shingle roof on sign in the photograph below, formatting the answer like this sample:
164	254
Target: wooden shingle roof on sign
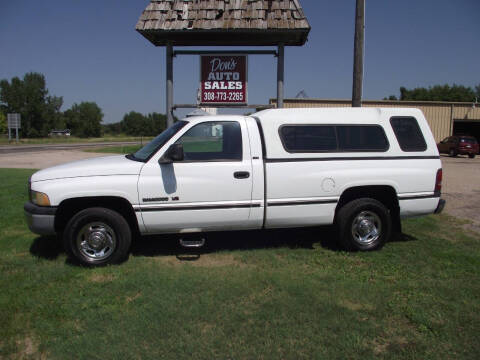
224	22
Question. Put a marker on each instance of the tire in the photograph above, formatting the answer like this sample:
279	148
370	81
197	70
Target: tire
471	156
97	236
363	225
452	153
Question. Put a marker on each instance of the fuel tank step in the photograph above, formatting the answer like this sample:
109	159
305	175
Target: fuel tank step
192	243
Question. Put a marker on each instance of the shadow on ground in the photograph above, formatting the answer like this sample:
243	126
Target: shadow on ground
401	237
238	240
48	247
304	238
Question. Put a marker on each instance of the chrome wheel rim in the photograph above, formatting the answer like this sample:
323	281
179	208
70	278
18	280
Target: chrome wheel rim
366	227
96	241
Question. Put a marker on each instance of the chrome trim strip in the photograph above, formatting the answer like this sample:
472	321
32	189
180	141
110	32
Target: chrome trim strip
302	202
418	195
198	206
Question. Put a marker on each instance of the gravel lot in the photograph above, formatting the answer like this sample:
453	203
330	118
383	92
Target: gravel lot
460	176
460	188
43	159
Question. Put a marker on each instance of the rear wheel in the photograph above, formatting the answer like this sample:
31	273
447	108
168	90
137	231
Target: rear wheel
97	236
363	224
452	153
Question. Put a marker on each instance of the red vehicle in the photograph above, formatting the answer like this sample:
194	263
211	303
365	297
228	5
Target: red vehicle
459	145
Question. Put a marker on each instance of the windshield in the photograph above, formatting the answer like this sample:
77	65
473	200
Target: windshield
151	148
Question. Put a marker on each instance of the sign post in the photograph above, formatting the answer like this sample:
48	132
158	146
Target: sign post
14	122
223	79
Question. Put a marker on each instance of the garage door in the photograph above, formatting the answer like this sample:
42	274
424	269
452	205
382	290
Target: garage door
464	127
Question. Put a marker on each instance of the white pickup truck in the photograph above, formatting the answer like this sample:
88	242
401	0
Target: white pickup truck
360	169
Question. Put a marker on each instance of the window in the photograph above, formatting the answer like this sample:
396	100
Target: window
362	138
333	138
308	138
151	148
213	141
408	133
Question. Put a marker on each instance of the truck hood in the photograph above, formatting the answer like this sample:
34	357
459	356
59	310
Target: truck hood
102	166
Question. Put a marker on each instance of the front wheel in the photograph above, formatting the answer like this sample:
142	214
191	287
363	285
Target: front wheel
97	236
363	224
471	156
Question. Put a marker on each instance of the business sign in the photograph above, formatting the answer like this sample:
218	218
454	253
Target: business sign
223	79
14	121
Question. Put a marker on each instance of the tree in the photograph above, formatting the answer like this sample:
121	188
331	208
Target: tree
84	119
29	97
3	123
137	124
440	93
111	129
158	123
134	124
391	97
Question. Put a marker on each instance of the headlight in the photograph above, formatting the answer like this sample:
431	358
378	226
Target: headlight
39	198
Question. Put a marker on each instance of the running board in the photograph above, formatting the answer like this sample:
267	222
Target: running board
192	243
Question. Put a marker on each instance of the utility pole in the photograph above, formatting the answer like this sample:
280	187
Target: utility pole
169	90
358	54
280	74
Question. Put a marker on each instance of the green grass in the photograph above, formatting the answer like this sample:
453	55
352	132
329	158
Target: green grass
73	139
124	149
273	295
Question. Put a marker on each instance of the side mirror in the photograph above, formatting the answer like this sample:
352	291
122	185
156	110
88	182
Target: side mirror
173	154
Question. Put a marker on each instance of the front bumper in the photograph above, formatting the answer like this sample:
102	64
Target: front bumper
40	219
440	206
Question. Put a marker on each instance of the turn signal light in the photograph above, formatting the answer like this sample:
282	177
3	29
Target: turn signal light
39	198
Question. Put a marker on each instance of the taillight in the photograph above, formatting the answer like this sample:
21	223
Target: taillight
438	182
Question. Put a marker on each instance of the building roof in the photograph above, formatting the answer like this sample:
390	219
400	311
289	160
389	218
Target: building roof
224	22
380	103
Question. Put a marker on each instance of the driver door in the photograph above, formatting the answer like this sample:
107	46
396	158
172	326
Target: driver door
210	189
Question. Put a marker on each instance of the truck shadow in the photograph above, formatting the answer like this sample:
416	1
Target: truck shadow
50	247
301	238
304	238
46	247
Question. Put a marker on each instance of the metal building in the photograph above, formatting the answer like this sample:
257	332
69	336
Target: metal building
444	118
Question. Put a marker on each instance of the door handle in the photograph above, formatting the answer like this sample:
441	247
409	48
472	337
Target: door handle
241	175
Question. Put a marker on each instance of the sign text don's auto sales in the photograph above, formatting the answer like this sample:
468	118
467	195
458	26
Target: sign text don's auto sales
223	79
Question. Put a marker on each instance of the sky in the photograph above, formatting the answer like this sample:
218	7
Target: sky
89	51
